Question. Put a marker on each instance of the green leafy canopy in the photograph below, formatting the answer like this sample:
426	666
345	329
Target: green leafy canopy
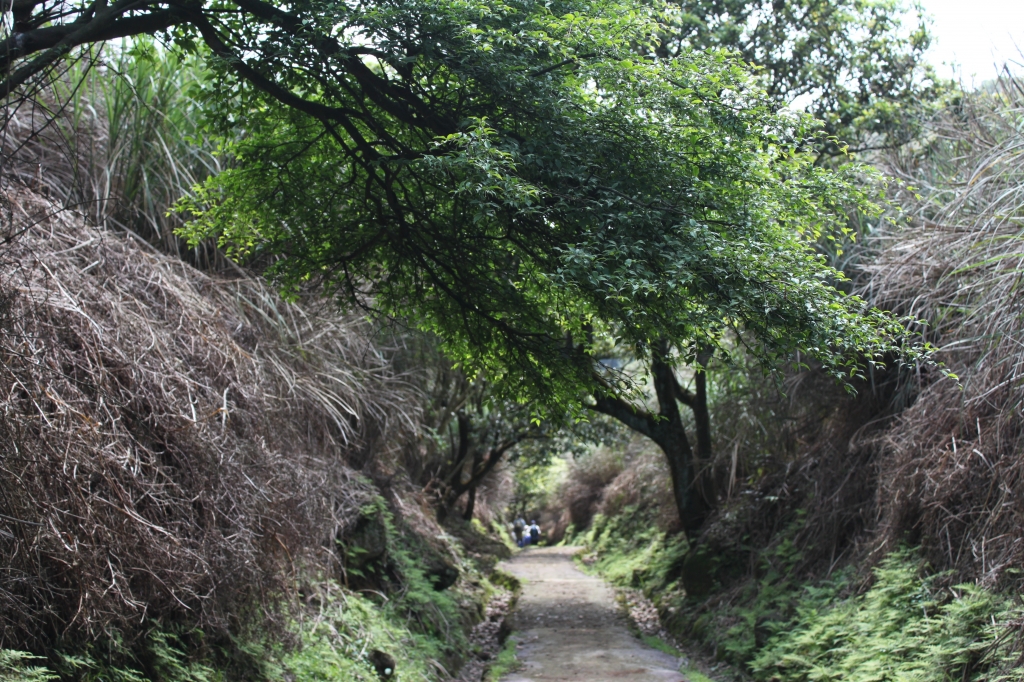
521	181
857	65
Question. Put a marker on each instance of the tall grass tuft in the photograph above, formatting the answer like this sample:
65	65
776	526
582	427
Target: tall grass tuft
116	136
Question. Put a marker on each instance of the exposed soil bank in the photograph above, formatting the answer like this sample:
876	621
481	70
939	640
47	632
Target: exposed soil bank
569	627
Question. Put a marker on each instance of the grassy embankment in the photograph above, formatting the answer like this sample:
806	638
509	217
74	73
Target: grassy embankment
900	622
329	633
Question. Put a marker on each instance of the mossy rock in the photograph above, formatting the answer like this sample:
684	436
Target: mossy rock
508	581
698	571
441	572
367	544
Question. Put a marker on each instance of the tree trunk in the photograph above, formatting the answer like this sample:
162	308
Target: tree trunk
474	472
706	484
670	435
470	503
667	430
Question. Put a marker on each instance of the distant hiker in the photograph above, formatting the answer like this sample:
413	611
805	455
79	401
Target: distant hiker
518	527
534	533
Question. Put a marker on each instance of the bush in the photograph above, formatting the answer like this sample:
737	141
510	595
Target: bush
906	623
335	641
611	478
952	472
174	445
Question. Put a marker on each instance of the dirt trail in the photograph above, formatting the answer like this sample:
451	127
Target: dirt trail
569	627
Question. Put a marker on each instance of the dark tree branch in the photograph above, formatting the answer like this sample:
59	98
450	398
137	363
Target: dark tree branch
471	500
55	43
637	419
454	478
700	405
494	456
340	115
667	430
399	102
682	395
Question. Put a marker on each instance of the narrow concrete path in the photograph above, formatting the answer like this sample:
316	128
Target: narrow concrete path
569	628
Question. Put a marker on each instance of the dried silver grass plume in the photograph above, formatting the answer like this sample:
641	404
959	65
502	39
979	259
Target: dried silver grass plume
955	477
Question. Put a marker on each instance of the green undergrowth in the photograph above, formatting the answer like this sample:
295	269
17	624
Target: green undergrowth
633	552
504	663
161	655
659	644
403	615
906	626
899	622
332	641
694	675
445	616
326	630
338	639
20	666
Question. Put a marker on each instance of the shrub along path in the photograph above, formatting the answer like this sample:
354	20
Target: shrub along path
568	627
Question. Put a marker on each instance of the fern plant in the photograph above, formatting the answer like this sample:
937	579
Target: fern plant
905	627
20	666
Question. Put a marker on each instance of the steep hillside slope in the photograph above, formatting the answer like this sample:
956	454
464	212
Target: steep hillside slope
187	469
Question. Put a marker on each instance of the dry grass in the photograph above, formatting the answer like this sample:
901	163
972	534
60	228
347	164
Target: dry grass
643	482
953	477
172	445
608	480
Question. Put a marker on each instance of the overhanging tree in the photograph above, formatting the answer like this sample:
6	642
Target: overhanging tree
516	180
855	65
470	429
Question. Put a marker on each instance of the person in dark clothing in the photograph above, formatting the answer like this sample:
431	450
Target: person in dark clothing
519	528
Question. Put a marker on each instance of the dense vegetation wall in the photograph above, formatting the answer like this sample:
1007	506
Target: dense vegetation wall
195	473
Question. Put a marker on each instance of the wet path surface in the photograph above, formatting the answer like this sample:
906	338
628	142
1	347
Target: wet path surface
569	628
